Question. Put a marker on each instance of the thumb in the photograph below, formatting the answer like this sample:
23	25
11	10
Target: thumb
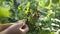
17	28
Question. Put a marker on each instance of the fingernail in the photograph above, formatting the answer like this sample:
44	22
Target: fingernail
23	27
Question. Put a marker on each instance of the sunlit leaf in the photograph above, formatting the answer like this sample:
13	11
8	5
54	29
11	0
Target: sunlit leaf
45	4
4	12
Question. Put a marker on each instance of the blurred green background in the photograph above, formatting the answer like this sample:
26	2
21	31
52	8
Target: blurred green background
42	16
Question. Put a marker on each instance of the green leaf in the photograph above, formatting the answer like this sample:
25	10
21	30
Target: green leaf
2	0
55	1
4	12
45	4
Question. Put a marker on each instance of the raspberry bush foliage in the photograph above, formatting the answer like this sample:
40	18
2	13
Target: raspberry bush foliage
42	16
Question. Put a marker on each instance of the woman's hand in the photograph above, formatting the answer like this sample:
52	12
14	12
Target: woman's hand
16	28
